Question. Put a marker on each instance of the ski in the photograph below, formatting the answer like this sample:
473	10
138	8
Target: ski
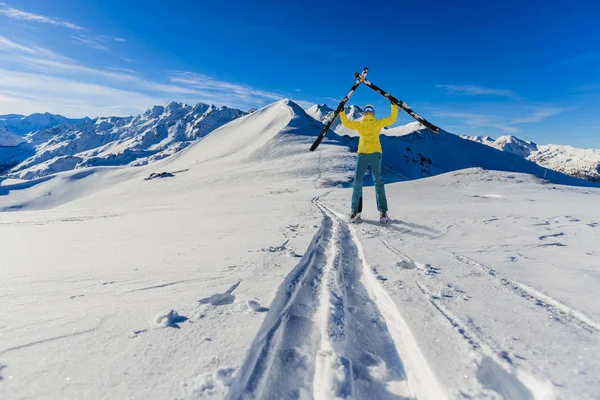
359	78
399	103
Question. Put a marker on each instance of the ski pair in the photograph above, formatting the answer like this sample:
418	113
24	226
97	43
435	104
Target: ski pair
362	78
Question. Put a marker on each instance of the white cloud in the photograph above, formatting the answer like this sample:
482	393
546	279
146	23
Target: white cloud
506	121
539	113
7	44
97	43
216	87
34	79
14	13
472	90
119	39
26	93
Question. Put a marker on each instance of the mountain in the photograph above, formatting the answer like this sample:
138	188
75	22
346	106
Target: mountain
320	112
581	163
11	116
21	125
159	132
479	139
8	139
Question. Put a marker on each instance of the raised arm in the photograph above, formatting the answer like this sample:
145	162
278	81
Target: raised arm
347	123
392	118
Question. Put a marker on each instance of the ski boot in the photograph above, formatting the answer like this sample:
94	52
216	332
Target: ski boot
354	217
383	217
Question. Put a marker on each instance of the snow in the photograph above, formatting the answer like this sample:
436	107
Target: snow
169	318
8	139
239	277
156	134
581	163
21	125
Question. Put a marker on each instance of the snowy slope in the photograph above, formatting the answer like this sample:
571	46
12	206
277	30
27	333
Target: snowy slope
581	163
158	133
8	139
235	277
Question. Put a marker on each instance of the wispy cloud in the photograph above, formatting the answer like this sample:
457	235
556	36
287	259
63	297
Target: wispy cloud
7	44
93	42
537	114
10	12
473	90
207	84
119	39
34	79
507	121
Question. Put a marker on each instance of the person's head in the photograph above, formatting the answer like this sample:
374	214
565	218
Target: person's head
369	110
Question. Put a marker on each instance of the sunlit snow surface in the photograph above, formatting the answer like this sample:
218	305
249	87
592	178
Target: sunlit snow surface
234	275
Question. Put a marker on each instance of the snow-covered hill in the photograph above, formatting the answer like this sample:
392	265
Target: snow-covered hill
232	273
158	133
581	163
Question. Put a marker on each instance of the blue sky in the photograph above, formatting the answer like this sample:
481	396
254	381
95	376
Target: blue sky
527	68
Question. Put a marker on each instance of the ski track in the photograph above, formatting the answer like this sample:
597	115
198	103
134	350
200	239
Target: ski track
333	332
495	368
559	311
55	338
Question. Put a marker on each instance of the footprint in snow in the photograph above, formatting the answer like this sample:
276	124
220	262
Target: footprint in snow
255	306
136	332
221	299
169	318
208	382
552	236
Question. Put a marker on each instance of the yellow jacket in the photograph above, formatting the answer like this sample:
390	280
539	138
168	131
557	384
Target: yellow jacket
369	129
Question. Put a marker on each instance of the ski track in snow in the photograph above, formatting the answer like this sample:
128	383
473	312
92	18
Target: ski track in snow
54	338
333	332
496	370
558	310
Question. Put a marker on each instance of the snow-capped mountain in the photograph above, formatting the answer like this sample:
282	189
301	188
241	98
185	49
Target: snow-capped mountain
479	139
8	139
155	134
581	163
320	112
21	125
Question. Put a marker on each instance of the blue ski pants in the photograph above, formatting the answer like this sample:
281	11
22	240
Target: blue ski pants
363	161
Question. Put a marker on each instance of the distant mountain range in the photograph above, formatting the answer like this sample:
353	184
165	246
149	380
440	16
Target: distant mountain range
581	163
42	144
58	144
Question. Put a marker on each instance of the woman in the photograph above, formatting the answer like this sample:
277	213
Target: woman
369	153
